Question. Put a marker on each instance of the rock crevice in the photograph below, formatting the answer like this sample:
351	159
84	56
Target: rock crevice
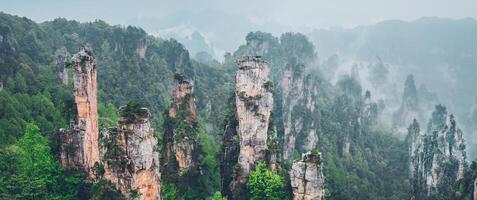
306	178
253	107
131	158
180	138
80	148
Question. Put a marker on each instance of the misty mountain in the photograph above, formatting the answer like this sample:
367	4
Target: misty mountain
439	52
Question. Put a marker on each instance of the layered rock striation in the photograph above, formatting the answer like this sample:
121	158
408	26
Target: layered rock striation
80	145
253	103
130	155
306	177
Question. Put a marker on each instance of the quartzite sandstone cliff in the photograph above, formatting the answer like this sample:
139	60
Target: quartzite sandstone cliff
80	146
180	138
253	104
130	156
300	116
306	178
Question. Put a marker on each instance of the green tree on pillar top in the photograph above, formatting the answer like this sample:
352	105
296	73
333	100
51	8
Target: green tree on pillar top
265	185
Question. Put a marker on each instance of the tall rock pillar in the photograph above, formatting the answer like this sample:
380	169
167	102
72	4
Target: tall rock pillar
131	157
80	146
180	138
84	92
254	102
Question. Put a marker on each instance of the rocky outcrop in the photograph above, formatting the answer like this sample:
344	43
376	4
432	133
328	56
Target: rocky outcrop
409	109
80	146
306	178
130	155
299	110
180	136
437	158
254	102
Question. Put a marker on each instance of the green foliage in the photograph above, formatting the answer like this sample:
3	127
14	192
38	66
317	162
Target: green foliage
218	196
169	191
133	110
376	167
268	85
114	155
466	185
135	194
98	169
438	119
265	185
179	77
102	189
28	171
108	115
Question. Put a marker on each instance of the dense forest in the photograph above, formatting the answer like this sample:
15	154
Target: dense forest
339	123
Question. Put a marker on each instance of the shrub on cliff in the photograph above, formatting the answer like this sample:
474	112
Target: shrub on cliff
265	185
133	110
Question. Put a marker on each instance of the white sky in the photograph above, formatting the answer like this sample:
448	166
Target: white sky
292	13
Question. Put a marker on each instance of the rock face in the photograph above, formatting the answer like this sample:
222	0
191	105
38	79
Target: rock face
254	102
127	155
80	147
181	134
299	106
130	156
306	178
230	152
437	158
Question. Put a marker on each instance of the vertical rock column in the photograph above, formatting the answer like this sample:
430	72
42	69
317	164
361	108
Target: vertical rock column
306	177
84	92
254	102
80	146
181	135
61	70
130	156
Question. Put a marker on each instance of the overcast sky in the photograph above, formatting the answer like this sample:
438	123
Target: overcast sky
293	13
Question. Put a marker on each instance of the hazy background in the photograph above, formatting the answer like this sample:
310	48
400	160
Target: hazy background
224	23
435	40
